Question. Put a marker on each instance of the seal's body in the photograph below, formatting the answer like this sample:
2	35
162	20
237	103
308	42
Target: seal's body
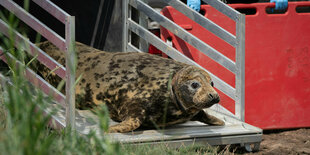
139	89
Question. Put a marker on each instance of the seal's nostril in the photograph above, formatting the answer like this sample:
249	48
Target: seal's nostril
210	95
214	98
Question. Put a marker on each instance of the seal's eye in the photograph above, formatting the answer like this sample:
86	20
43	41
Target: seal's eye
212	84
195	85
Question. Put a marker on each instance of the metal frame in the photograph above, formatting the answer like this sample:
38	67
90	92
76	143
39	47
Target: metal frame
236	41
234	132
66	44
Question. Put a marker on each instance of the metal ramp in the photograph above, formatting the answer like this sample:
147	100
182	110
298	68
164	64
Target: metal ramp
234	132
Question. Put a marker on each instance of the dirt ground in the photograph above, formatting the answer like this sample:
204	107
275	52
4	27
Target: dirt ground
295	141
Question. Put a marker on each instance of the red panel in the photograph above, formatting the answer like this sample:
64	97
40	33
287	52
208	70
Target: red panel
277	62
153	49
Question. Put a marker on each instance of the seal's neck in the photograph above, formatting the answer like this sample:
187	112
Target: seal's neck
173	95
175	100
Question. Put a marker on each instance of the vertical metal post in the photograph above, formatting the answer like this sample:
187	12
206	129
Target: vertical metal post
93	39
129	13
125	23
240	63
70	72
143	45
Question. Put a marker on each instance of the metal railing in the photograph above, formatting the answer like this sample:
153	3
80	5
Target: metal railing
237	41
66	44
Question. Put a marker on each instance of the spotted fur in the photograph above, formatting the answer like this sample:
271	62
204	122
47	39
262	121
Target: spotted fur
140	90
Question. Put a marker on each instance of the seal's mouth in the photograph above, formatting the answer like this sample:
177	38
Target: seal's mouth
216	100
208	104
211	103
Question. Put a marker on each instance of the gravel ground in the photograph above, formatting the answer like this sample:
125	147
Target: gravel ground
296	141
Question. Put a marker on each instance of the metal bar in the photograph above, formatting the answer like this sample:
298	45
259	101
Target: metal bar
223	8
128	32
93	39
70	74
173	53
125	29
143	22
32	49
34	23
36	80
204	22
132	48
53	9
206	141
240	62
186	36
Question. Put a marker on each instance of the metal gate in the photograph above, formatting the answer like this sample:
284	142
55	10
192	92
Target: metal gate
237	41
66	44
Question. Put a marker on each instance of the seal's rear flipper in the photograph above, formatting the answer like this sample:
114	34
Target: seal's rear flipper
204	117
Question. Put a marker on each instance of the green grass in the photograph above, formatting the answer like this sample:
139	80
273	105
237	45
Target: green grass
2	118
165	149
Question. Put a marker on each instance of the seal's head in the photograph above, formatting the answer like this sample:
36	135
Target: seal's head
192	87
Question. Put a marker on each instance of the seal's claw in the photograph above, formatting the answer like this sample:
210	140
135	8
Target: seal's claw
217	122
204	117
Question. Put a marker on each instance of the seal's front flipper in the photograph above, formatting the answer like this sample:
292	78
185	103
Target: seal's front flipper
204	117
127	125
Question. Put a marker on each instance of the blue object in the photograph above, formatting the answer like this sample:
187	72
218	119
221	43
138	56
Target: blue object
194	4
280	4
